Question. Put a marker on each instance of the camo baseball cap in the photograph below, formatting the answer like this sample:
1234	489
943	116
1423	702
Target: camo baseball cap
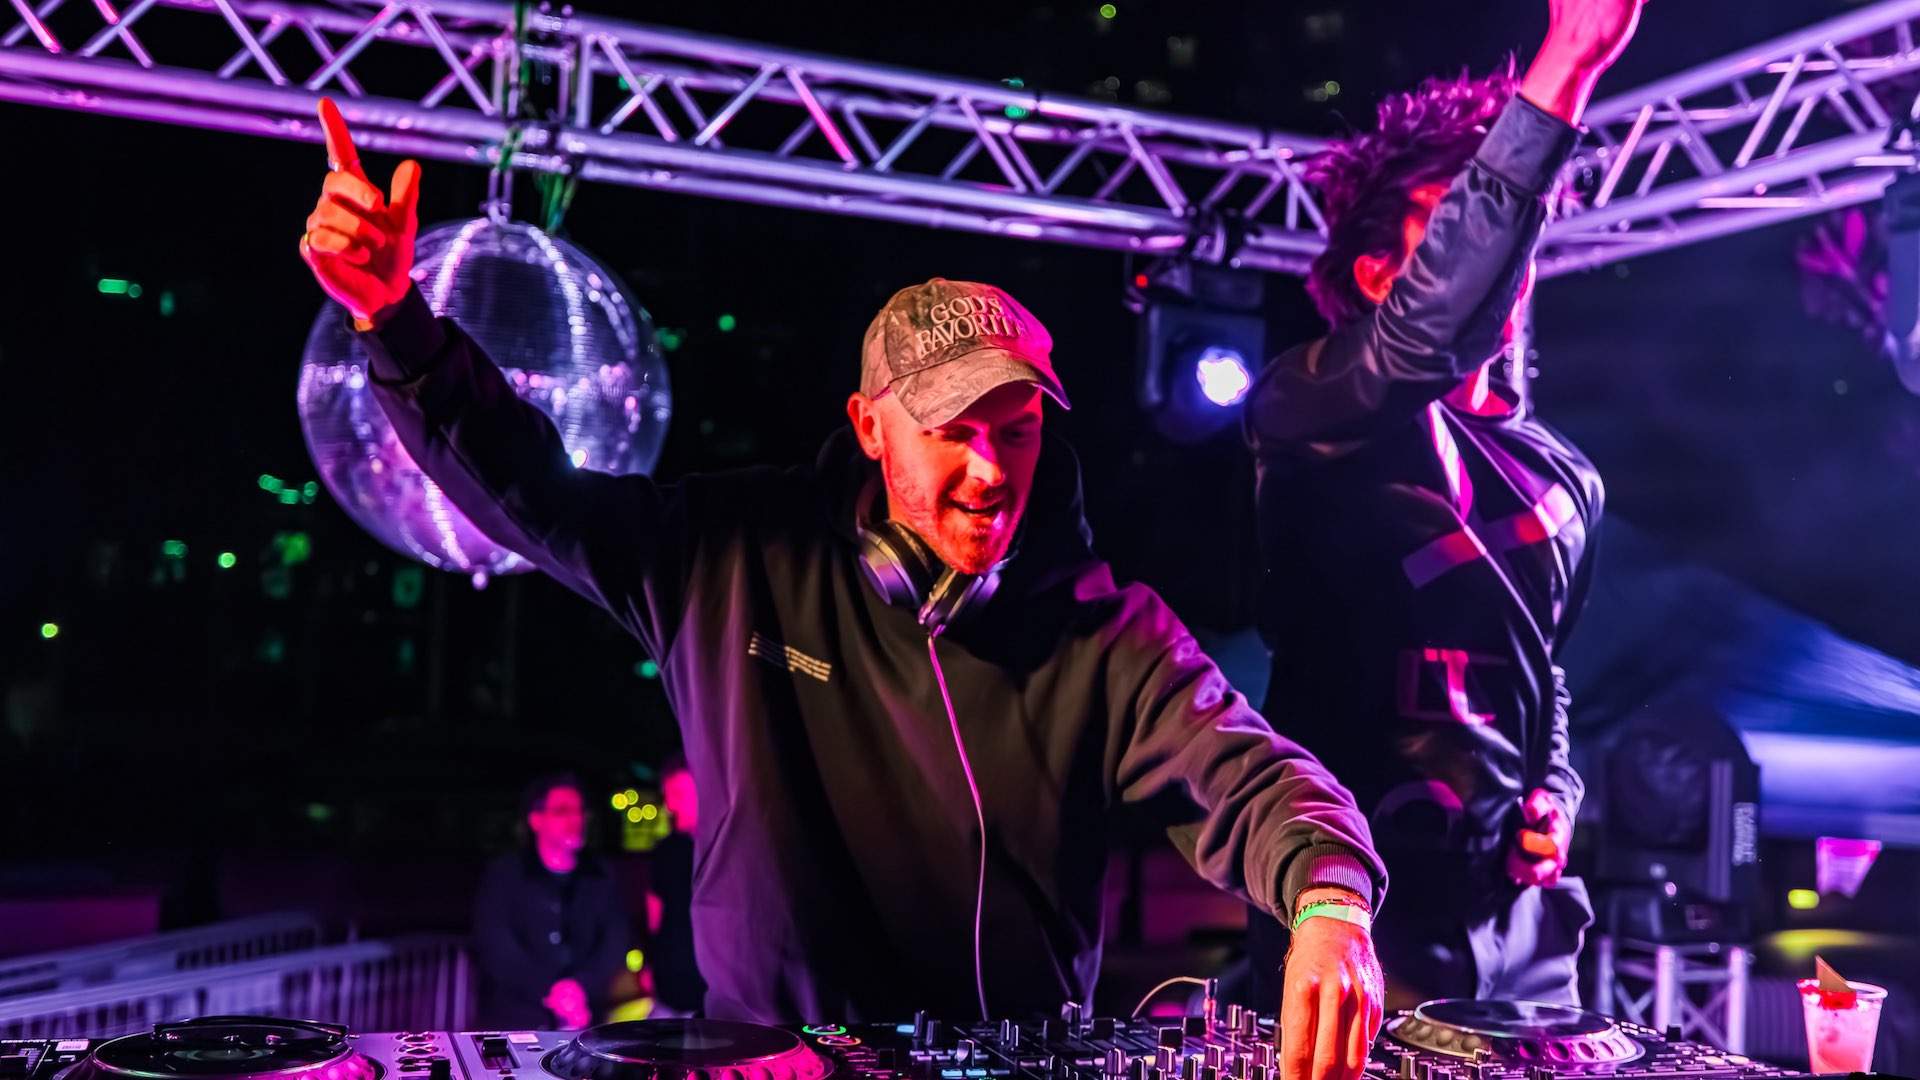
940	346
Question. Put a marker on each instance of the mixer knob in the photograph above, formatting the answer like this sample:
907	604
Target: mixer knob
1408	1067
1142	1069
1216	1056
1116	1062
965	1049
1102	1028
1423	1070
1051	1030
1242	1065
1233	1017
920	1027
1190	1068
1249	1024
936	1034
1072	1014
1263	1055
1009	1034
439	1068
1172	1036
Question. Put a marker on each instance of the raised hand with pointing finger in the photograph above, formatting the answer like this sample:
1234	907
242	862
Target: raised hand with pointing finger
359	243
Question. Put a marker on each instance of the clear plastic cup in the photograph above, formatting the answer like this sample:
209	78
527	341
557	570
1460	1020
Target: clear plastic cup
1841	1040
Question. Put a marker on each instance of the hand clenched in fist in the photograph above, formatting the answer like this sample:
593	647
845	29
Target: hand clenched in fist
358	243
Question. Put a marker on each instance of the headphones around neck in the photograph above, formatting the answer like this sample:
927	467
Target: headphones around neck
906	573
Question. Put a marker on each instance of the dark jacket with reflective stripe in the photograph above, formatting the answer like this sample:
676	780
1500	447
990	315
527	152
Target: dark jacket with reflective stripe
1423	562
835	858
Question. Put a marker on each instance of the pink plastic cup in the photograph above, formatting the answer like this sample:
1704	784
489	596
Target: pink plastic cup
1841	1040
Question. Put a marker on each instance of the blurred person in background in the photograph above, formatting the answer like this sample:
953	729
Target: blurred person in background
678	987
549	931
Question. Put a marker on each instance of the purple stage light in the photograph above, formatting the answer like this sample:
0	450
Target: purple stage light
1223	376
1841	865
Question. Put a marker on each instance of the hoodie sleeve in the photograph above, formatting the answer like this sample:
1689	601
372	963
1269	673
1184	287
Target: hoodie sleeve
1447	309
620	541
1258	815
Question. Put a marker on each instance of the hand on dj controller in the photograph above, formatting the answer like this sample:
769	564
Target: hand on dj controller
1539	852
359	243
1334	1002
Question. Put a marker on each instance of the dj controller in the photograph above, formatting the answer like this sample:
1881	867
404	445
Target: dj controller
1442	1040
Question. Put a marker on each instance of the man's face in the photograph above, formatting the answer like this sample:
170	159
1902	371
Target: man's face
683	801
560	823
962	486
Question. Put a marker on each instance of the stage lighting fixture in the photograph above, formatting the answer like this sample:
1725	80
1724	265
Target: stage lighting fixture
1202	339
1223	376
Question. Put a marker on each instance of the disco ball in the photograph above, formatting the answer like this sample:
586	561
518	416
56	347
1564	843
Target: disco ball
558	324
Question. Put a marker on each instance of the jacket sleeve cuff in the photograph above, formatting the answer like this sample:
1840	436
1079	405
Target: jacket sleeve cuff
1527	147
1329	865
406	343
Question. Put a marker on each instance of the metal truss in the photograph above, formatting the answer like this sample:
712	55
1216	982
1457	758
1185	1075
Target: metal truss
1784	129
1795	126
678	111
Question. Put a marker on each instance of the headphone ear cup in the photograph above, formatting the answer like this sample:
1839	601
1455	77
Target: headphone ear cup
906	573
896	562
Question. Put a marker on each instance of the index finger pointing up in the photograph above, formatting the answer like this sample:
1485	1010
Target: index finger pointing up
340	152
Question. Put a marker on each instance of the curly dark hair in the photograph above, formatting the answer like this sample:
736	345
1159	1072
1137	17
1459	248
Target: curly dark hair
1366	180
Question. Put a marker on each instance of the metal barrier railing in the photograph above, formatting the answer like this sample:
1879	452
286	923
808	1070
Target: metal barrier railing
403	984
231	942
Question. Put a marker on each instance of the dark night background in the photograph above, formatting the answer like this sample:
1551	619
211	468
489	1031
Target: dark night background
352	703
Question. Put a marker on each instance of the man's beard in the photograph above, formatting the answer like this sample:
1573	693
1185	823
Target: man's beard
971	543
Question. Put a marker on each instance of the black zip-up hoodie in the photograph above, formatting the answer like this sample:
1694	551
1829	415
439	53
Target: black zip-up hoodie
836	853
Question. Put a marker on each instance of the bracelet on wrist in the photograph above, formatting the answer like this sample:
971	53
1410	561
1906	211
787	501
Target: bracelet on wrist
1338	910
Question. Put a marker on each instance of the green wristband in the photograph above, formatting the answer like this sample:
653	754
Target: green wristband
1347	913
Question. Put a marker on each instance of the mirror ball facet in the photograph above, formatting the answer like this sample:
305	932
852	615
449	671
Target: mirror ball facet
561	328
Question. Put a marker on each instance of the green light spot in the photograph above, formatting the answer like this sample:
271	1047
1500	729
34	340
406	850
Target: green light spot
294	547
113	286
174	549
270	483
166	303
1015	112
133	290
227	560
409	582
670	340
288	497
647	669
319	812
310	490
727	323
1108	11
273	649
636	959
49	630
